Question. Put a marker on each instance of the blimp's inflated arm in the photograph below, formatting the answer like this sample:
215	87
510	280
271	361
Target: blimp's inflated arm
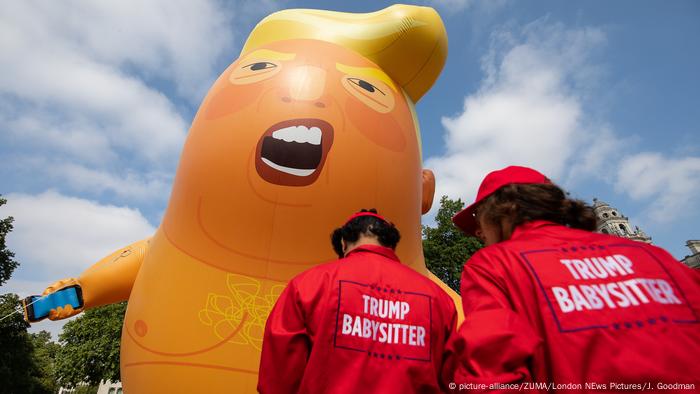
106	282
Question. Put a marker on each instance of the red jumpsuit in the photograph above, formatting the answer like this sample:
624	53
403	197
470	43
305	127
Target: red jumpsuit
567	307
361	324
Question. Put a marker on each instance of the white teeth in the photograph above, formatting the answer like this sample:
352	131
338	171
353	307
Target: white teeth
300	134
288	170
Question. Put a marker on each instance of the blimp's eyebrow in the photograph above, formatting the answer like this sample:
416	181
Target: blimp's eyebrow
366	72
268	54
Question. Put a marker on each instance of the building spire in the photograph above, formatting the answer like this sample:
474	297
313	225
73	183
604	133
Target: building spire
610	221
693	260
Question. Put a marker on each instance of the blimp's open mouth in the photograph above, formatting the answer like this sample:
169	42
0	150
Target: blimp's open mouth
292	153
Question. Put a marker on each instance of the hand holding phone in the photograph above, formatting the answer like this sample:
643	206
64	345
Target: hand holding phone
37	307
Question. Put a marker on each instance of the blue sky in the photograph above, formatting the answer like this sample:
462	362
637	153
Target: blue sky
96	99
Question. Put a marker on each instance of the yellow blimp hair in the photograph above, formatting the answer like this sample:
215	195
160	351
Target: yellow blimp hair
408	42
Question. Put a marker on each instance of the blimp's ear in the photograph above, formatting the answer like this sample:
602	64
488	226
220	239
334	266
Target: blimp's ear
428	191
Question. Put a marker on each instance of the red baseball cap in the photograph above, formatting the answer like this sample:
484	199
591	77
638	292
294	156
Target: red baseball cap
465	219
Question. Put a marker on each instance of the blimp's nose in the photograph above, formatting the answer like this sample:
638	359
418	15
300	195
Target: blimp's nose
307	83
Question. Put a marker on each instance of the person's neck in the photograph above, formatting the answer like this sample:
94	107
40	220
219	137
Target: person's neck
362	240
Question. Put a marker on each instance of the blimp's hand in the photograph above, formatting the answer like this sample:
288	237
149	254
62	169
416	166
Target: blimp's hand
62	312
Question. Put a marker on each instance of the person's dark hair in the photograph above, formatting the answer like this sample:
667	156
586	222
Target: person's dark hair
386	232
521	203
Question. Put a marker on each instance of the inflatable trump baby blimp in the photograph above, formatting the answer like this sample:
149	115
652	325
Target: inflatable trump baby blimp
314	121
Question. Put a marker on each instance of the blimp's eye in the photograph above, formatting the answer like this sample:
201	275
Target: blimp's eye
260	66
375	93
365	85
255	71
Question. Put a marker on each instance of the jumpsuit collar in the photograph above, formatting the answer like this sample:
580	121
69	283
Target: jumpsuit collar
532	225
381	250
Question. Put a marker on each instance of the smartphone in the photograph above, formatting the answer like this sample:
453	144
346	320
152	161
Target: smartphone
37	307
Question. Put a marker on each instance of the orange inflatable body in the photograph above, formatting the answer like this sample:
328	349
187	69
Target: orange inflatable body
313	122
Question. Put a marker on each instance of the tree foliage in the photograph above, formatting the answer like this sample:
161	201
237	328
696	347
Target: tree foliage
44	356
26	361
90	346
7	261
445	247
16	366
19	370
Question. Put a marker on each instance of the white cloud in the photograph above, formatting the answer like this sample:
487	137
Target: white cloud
528	110
599	157
56	235
75	139
534	108
131	185
51	64
175	40
97	88
671	185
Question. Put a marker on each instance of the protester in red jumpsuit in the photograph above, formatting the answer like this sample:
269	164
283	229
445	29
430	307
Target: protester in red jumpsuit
362	324
550	301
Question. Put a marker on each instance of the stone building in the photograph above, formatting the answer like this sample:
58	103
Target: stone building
611	221
693	260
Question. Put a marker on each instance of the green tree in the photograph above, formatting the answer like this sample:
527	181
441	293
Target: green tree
25	360
44	356
445	247
90	346
17	370
7	262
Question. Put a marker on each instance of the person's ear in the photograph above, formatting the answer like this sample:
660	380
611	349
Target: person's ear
428	191
344	245
480	234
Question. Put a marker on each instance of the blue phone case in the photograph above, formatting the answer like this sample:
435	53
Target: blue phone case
40	309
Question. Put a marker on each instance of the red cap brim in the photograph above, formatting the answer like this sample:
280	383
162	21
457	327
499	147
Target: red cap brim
465	221
495	180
